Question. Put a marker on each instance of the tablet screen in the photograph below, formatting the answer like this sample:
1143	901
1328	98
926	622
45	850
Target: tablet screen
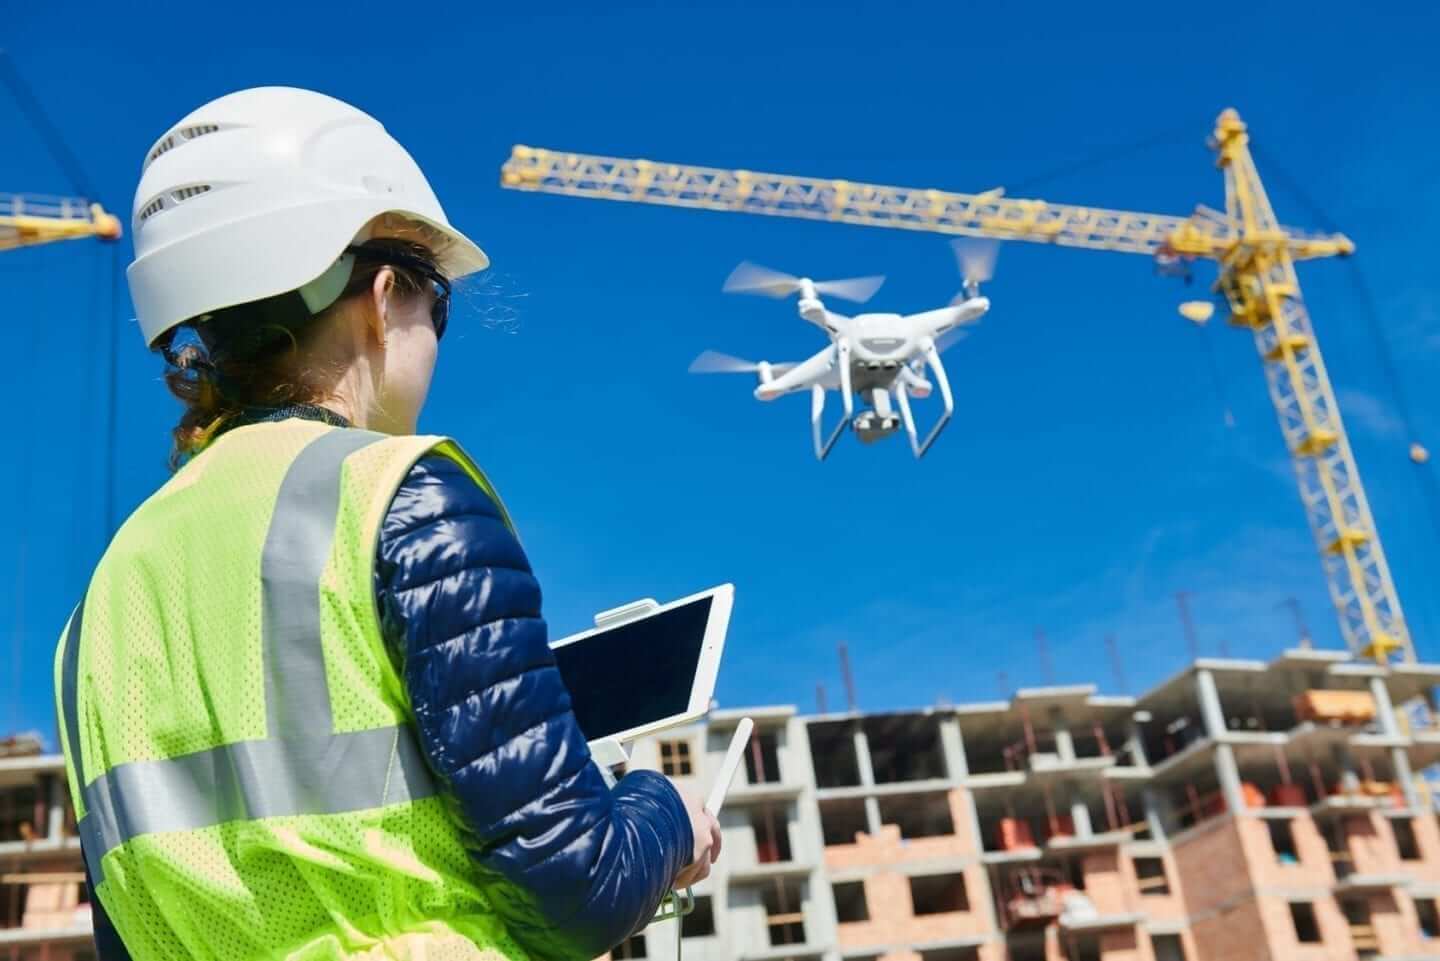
636	673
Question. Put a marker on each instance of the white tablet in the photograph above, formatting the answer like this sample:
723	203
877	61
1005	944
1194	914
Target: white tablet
648	673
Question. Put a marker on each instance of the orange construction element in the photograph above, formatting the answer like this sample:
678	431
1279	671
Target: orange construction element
1335	707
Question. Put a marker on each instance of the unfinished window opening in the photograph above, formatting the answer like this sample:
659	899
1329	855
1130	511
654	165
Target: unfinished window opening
938	893
1282	839
675	759
699	923
1404	831
784	911
841	821
1150	876
951	954
1167	947
12	904
18	814
772	834
1086	949
905	748
1302	916
1362	932
832	750
1428	917
762	761
850	902
1029	946
918	815
632	947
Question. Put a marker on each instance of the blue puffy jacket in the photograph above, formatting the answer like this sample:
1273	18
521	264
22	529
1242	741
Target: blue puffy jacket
574	867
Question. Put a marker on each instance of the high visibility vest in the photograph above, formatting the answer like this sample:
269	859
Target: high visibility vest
237	738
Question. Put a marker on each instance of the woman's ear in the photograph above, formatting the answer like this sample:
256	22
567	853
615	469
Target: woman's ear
378	318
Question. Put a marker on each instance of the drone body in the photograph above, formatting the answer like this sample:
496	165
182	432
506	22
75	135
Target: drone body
881	359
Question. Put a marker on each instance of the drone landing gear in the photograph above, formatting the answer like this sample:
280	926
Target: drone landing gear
823	444
902	395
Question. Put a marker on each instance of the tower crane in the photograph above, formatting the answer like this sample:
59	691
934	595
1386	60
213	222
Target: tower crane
1255	256
27	220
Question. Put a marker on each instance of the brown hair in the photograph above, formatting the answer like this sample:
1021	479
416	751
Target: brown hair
255	356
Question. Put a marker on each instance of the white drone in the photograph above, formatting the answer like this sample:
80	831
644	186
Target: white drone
870	355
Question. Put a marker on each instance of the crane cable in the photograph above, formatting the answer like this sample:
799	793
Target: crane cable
34	112
66	159
1370	313
1424	473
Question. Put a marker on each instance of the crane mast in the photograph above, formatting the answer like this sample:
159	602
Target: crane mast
1256	258
27	220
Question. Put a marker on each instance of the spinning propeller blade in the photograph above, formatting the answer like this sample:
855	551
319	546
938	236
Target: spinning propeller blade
976	258
856	290
714	362
751	278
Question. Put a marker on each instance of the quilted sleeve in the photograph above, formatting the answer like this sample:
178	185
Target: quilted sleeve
574	867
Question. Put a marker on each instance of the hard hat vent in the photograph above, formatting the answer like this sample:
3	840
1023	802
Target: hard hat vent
177	137
172	198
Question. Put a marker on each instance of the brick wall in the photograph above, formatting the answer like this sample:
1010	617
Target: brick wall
1209	863
890	848
1264	866
893	919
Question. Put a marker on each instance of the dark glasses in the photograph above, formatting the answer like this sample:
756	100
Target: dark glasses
439	283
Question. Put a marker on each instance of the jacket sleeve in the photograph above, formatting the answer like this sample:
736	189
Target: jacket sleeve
572	866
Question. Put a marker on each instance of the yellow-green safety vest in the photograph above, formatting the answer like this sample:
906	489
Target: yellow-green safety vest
237	738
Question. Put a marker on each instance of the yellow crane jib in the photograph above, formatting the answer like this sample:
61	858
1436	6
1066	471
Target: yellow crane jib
27	220
1255	254
989	214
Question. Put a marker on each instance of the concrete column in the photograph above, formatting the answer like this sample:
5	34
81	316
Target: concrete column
953	744
867	778
1384	709
56	819
1135	744
1157	809
1064	743
862	755
1349	778
1210	707
1400	761
872	816
1080	814
1229	775
987	897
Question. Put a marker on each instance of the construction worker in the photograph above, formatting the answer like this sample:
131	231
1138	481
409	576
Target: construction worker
307	703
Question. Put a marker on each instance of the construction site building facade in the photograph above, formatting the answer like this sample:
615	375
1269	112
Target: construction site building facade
1240	811
44	907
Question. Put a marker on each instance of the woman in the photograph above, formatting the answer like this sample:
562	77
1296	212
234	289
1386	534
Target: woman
307	704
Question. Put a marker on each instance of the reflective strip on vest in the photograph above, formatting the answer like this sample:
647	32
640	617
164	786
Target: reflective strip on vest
303	767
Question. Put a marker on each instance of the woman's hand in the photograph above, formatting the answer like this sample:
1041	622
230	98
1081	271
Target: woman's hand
707	842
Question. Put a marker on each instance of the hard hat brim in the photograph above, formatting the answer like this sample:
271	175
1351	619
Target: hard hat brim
283	251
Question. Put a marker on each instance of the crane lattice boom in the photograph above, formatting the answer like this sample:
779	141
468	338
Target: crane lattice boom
1255	254
27	220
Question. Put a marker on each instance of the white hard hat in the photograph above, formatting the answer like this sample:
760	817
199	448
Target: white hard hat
258	193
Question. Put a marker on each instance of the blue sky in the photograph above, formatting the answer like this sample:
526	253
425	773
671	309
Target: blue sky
1087	475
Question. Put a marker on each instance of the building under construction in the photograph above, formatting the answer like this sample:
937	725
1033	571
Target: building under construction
1239	811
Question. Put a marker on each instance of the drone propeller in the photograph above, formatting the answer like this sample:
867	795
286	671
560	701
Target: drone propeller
950	338
976	259
751	278
714	362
